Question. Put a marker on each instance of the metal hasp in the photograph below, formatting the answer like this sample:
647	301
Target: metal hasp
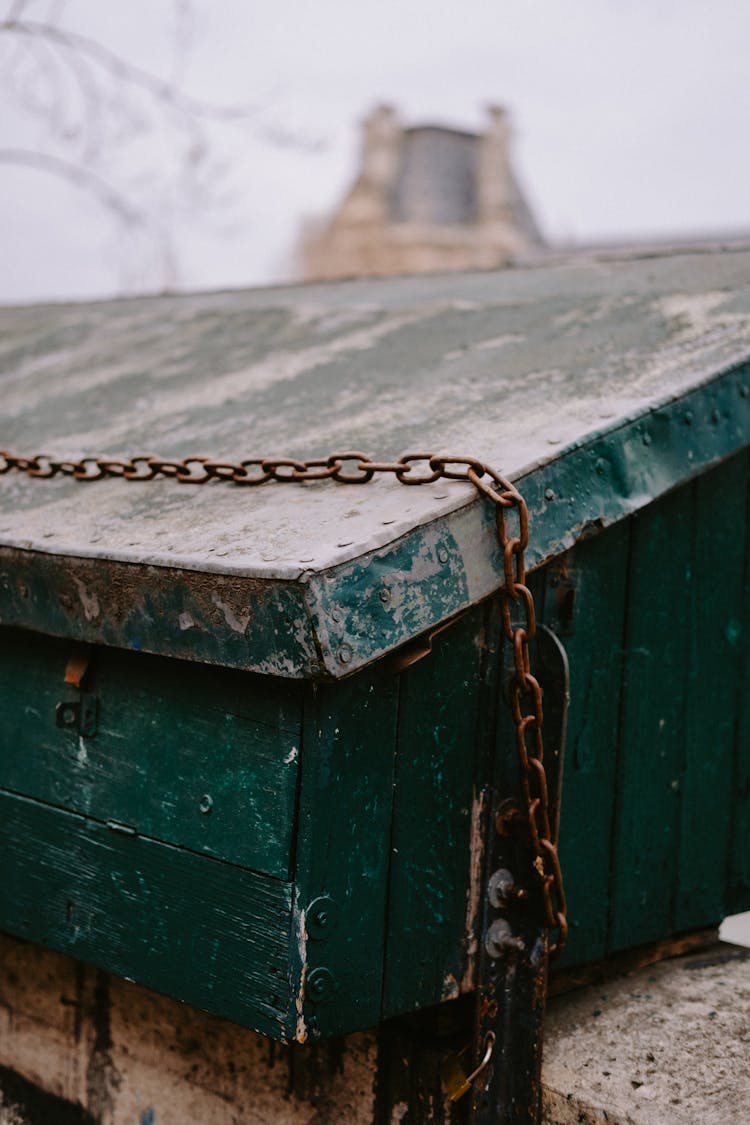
515	946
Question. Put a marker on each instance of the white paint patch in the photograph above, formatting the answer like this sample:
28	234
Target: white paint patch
90	602
185	621
498	342
291	756
238	621
82	756
695	309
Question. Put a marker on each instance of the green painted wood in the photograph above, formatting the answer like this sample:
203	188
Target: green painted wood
585	606
717	644
211	934
435	864
343	842
645	856
739	854
196	756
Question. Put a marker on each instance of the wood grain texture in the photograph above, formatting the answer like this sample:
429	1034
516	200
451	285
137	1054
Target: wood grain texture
438	780
739	855
585	606
191	755
716	654
343	842
210	934
645	856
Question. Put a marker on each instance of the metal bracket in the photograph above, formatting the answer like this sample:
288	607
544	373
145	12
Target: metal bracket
80	715
514	946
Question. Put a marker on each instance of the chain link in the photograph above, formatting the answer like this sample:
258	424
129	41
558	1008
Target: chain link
354	467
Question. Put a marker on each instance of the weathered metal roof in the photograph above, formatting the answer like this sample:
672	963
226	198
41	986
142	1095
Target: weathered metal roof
596	384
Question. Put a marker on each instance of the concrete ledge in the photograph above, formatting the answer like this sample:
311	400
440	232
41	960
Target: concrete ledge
668	1044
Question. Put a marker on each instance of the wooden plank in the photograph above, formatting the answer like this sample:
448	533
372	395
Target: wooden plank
211	934
343	843
652	728
739	855
585	606
433	887
716	657
188	754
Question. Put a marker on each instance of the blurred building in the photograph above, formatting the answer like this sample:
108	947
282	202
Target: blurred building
426	198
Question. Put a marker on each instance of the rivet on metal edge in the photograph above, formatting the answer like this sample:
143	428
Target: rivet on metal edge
549	494
320	917
443	555
345	654
321	985
206	804
385	594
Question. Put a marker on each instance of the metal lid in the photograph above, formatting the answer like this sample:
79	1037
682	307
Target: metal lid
595	384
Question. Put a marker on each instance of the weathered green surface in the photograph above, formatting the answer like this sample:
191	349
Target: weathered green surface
585	602
576	378
718	638
194	756
605	389
645	856
442	758
205	932
739	853
343	846
215	619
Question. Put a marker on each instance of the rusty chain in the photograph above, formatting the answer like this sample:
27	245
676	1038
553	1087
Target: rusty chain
353	467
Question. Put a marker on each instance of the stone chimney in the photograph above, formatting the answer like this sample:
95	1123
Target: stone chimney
426	198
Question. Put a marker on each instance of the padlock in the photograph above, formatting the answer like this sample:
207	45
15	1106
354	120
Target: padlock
456	1082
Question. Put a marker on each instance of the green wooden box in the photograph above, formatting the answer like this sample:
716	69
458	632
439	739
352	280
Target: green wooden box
238	761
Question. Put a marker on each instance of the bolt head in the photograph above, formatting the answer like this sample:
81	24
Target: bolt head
321	985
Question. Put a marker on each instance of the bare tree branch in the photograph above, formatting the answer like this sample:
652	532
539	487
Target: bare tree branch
164	91
114	201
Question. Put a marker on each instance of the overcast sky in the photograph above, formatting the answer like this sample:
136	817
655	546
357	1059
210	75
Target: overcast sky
631	119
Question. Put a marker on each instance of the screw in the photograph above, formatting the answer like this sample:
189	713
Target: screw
321	918
502	888
688	418
549	494
647	439
500	939
206	804
345	654
385	595
443	555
